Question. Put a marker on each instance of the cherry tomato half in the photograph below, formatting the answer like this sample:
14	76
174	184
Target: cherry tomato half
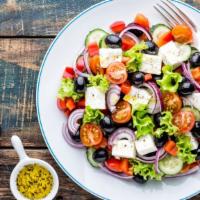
114	164
90	134
69	73
95	65
61	104
172	102
127	43
122	113
116	73
184	120
141	20
117	26
196	74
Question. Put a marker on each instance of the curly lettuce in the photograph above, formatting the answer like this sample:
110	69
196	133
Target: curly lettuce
166	125
67	89
143	122
135	56
100	81
184	149
147	171
170	80
92	115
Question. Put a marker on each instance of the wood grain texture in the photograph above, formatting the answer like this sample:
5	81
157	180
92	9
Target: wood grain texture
38	18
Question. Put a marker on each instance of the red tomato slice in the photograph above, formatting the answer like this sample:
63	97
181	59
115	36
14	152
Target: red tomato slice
141	20
196	74
122	113
184	120
164	39
116	73
95	65
117	26
103	144
114	164
69	73
90	134
61	104
70	104
127	43
93	49
125	87
81	103
80	65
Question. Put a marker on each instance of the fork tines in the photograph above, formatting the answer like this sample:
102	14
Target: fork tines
173	15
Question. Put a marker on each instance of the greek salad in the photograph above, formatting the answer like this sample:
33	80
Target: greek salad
132	100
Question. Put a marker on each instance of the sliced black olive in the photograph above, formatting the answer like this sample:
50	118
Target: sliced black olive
185	88
152	48
76	136
151	154
107	123
108	131
157	77
80	84
113	41
195	59
136	32
160	142
137	78
100	155
196	129
139	179
157	117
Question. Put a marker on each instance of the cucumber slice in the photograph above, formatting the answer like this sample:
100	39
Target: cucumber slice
185	51
95	36
102	43
170	165
157	30
89	153
194	110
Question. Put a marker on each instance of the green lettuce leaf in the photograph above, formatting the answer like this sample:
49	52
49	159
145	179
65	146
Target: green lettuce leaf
147	171
92	115
166	125
184	149
100	81
170	80
135	56
142	121
67	89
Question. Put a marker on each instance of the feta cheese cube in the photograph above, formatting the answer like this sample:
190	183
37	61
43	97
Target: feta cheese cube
145	145
171	54
193	100
194	142
108	56
138	96
124	149
151	64
95	98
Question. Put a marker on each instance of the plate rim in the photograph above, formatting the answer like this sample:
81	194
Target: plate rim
38	88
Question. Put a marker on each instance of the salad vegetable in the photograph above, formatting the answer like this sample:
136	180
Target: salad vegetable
132	101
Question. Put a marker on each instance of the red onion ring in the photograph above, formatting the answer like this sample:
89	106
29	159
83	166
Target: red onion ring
187	74
191	171
114	174
133	26
85	58
158	155
73	124
113	90
68	139
121	133
79	73
130	35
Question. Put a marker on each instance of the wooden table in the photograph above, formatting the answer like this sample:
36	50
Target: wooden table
26	30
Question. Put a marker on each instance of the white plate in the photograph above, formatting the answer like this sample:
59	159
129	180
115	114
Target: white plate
61	53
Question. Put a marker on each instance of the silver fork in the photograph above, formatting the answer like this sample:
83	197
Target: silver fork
173	16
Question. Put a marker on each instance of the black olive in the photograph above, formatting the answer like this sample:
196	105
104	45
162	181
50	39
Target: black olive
195	59
136	32
151	154
157	117
139	179
137	78
160	142
100	155
107	123
80	84
157	77
196	129
152	48
113	41
76	136
108	131
185	88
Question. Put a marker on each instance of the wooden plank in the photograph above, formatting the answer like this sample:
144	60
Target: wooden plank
38	17
67	190
19	65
